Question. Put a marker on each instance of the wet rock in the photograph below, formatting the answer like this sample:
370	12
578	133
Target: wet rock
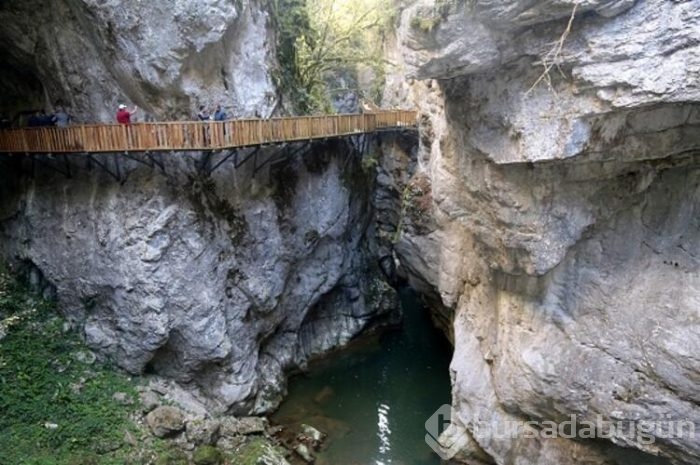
304	452
166	421
311	434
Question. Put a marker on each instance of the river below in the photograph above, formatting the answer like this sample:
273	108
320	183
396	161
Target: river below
373	398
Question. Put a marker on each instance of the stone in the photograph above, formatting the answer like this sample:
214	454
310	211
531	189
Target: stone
122	398
149	401
303	451
312	434
231	426
252	425
130	439
85	356
202	431
207	455
166	421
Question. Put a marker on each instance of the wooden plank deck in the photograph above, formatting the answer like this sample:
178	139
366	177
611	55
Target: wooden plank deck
196	135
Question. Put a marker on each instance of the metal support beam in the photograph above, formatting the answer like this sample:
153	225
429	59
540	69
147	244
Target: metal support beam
239	163
114	174
39	159
231	153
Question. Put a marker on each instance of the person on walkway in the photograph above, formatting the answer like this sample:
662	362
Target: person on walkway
219	114
124	115
46	119
36	119
203	114
61	118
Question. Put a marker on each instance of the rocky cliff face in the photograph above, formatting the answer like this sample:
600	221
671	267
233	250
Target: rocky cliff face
167	57
223	282
556	225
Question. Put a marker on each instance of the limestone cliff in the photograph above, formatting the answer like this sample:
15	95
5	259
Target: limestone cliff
168	57
557	225
222	281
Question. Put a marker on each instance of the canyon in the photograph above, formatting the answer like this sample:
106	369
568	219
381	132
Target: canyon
547	211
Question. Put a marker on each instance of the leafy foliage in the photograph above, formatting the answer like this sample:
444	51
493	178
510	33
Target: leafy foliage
322	39
57	408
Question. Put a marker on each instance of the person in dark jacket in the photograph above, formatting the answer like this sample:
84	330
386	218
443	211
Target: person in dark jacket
203	114
219	114
35	120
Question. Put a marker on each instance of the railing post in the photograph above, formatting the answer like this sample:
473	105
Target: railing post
25	146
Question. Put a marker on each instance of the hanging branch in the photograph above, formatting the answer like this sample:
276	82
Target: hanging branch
551	58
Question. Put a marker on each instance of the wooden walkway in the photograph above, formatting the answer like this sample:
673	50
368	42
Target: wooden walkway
142	137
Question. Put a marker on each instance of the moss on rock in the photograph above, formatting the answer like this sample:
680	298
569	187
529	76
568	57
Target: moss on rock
207	455
172	457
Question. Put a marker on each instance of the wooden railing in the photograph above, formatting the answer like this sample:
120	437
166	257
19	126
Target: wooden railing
204	135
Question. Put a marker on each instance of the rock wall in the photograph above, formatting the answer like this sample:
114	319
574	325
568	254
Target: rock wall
223	282
167	57
556	226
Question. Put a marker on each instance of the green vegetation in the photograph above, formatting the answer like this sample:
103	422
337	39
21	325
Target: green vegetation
207	455
320	41
416	203
259	450
369	163
56	403
172	457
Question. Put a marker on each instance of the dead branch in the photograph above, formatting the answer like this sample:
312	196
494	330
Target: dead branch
551	58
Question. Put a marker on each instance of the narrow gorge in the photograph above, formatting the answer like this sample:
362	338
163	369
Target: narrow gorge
545	209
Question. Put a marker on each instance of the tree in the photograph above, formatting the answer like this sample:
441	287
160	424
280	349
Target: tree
326	38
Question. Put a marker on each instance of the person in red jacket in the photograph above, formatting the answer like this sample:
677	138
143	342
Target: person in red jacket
124	115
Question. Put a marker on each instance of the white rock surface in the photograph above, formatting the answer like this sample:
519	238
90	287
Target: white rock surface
168	57
221	283
556	230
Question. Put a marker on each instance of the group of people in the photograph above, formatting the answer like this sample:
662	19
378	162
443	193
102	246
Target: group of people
124	115
60	119
217	115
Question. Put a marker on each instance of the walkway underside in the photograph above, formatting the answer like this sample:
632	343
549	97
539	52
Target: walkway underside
147	137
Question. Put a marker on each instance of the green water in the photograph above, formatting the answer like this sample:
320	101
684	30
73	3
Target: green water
373	399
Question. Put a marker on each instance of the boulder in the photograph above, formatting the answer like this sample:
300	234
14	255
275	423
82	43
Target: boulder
202	431
166	421
149	401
